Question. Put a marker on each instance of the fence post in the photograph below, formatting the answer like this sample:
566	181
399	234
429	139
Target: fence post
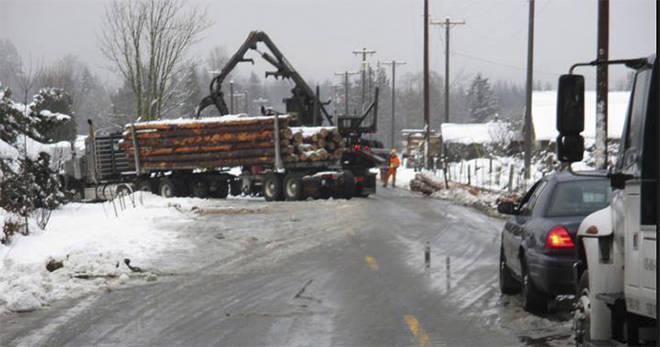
510	178
469	173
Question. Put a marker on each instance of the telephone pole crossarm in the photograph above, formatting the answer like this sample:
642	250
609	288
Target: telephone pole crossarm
364	53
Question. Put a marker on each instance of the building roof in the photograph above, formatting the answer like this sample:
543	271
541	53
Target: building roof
469	133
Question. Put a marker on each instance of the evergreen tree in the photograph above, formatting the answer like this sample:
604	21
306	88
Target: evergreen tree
482	103
52	110
12	121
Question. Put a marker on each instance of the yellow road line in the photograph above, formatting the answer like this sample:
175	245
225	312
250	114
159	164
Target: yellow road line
417	330
371	261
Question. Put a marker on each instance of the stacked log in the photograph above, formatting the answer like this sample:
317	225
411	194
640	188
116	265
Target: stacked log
317	143
226	141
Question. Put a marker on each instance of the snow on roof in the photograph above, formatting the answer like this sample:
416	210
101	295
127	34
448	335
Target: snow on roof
470	133
544	114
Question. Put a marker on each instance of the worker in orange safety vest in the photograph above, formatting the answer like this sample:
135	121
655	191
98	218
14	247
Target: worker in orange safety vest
393	164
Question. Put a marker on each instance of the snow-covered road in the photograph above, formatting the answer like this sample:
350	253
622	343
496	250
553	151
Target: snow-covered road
306	273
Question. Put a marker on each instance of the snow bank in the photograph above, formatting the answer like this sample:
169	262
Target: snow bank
89	240
59	151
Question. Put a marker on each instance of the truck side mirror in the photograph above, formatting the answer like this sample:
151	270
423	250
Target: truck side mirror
507	207
570	118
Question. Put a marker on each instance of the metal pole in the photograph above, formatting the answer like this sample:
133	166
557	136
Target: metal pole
346	93
231	97
528	104
393	101
247	106
427	118
602	84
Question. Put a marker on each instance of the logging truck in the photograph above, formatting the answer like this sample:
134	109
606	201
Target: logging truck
256	156
616	297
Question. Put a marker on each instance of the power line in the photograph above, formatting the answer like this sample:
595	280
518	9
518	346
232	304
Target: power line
394	63
364	52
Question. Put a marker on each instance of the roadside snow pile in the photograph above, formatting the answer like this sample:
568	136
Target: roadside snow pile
91	244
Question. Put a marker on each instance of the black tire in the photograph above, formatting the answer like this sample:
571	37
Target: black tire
508	284
293	188
222	190
532	299
235	185
144	186
199	189
272	188
347	185
167	188
582	313
123	189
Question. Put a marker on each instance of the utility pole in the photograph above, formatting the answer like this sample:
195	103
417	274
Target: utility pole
528	103
427	117
394	63
364	52
601	84
346	74
447	23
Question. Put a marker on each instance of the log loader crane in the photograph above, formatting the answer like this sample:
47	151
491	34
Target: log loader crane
306	108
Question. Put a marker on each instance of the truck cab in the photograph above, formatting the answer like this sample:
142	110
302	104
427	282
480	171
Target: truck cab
616	271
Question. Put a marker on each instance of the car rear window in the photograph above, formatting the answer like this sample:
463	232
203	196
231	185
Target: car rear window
579	198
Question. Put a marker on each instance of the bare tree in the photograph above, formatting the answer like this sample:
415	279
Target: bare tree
146	41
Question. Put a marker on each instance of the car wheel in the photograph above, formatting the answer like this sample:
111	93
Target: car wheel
508	284
582	314
532	299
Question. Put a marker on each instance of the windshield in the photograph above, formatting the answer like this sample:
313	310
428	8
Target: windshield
579	198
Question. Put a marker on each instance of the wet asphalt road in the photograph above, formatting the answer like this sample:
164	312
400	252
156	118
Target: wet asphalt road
317	273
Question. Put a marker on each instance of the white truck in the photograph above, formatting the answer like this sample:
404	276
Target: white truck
616	297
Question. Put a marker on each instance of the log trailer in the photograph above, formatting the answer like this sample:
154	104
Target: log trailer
105	170
616	297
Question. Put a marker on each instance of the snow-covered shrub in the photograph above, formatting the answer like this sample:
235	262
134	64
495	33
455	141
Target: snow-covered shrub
12	120
32	190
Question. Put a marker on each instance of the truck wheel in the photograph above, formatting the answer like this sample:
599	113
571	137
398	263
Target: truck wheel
144	186
293	187
348	185
532	299
508	284
199	189
167	188
222	190
272	188
235	185
582	314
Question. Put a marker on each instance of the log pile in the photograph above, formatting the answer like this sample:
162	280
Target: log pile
425	184
317	143
226	141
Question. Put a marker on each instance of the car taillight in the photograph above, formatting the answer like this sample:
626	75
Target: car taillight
558	237
357	147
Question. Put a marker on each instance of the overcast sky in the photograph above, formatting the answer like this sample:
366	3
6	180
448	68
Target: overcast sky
317	36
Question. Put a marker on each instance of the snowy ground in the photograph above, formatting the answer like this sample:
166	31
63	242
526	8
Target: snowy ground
92	242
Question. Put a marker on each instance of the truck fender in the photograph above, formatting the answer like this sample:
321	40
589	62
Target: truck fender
597	224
